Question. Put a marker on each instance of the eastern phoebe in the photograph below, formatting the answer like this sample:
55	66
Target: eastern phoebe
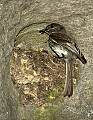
64	47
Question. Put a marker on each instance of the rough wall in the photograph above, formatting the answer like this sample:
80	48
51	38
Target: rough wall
77	17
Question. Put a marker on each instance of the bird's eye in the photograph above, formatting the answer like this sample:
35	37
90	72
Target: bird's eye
61	27
52	25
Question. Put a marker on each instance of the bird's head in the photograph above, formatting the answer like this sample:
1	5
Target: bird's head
52	28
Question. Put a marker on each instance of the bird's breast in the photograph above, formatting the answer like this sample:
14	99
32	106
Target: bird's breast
59	50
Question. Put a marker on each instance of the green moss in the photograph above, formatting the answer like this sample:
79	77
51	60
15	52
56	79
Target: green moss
46	114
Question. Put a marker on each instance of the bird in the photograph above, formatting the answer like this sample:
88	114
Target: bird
66	48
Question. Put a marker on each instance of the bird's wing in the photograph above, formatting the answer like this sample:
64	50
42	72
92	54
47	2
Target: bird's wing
67	43
60	37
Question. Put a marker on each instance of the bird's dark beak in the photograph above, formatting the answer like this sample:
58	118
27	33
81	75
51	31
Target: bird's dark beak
42	31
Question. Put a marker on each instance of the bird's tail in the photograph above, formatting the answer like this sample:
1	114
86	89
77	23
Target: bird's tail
68	89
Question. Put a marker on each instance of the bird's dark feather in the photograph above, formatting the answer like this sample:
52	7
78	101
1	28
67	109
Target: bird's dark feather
67	43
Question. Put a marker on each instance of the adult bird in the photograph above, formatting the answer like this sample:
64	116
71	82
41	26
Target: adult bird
64	47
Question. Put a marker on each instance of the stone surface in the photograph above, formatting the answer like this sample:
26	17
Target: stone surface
77	17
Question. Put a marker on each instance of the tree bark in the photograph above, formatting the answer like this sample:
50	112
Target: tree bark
77	17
